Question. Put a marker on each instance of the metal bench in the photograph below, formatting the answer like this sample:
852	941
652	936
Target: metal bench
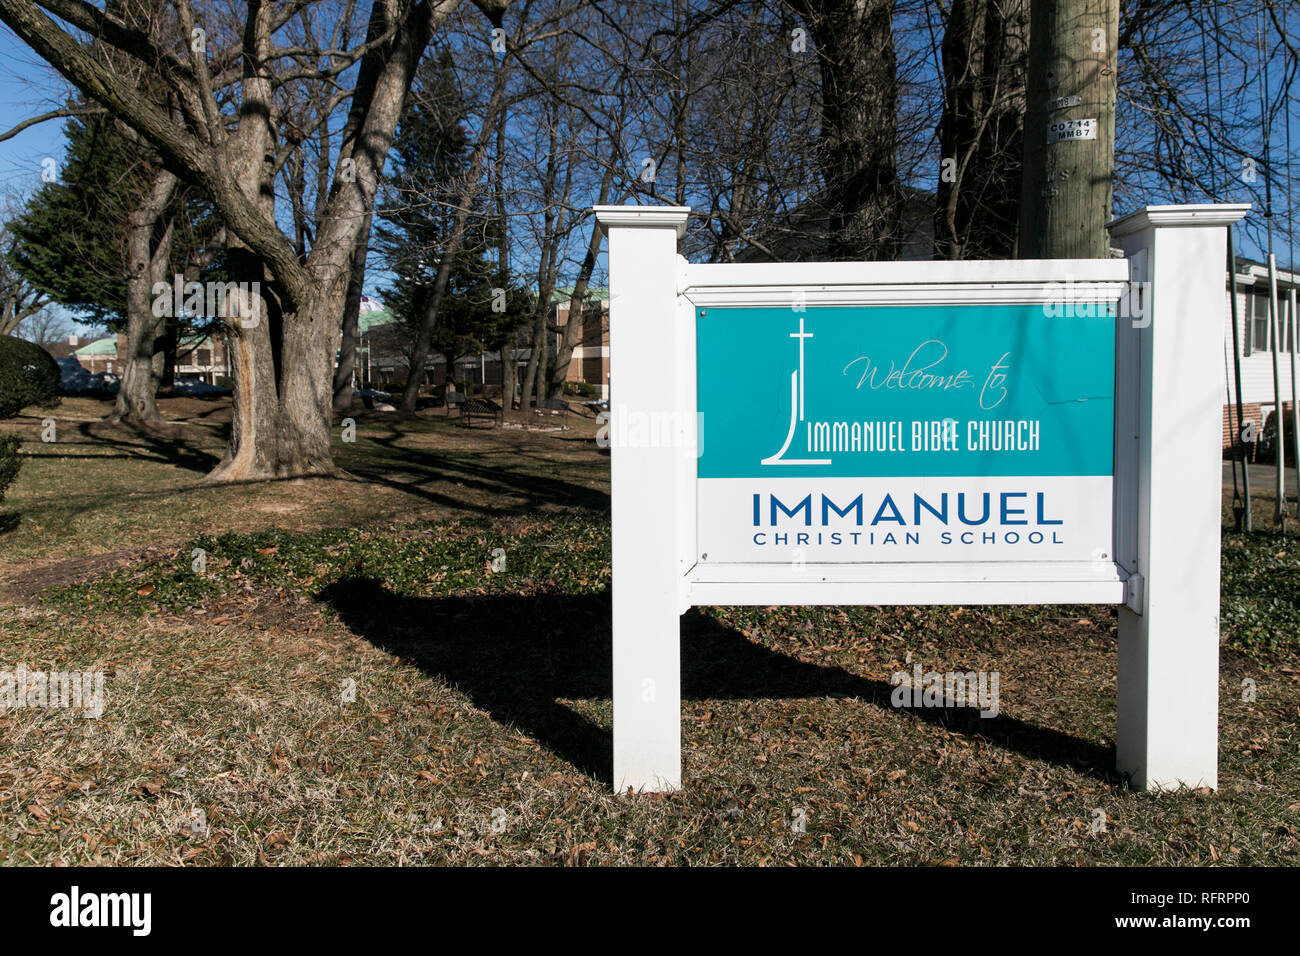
479	410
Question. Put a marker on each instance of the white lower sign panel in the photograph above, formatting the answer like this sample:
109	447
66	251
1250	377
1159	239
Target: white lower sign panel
835	519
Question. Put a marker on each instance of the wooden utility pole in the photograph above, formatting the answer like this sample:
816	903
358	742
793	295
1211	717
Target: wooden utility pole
1069	129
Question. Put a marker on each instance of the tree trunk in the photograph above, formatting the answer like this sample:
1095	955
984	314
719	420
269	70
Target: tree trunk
535	370
170	343
980	132
307	383
282	364
859	100
569	340
507	353
573	328
421	346
351	319
543	360
530	375
252	453
506	348
137	393
1067	192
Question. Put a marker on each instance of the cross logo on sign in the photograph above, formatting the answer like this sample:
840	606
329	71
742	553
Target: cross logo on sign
796	408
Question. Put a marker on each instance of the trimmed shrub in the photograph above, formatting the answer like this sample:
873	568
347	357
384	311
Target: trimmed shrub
9	462
1266	447
28	376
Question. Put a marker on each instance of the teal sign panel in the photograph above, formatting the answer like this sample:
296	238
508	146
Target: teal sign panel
887	391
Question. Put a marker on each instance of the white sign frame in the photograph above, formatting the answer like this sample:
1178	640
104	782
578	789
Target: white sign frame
1168	395
1014	282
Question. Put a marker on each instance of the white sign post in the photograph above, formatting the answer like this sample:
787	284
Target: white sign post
1171	404
1015	432
646	382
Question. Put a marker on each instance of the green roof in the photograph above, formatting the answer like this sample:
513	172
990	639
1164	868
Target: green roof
373	319
105	346
594	294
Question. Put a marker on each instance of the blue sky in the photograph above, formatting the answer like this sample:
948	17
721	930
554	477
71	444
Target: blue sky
27	87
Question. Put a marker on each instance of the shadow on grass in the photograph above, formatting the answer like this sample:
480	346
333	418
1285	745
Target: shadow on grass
517	656
127	442
173	449
495	481
9	521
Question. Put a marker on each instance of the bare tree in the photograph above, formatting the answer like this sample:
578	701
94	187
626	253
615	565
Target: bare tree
48	327
551	194
1193	110
224	79
465	193
977	201
148	254
19	299
859	101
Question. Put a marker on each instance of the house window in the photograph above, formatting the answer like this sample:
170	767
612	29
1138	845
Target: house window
1258	327
1288	320
1257	338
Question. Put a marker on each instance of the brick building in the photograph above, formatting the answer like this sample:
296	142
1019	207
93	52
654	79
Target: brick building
197	357
382	344
590	362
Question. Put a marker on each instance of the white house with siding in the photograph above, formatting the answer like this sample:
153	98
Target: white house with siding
1255	341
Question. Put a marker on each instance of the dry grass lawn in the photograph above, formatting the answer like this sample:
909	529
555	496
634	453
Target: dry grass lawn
349	680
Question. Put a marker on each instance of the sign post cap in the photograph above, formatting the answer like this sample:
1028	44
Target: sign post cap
1201	214
642	216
